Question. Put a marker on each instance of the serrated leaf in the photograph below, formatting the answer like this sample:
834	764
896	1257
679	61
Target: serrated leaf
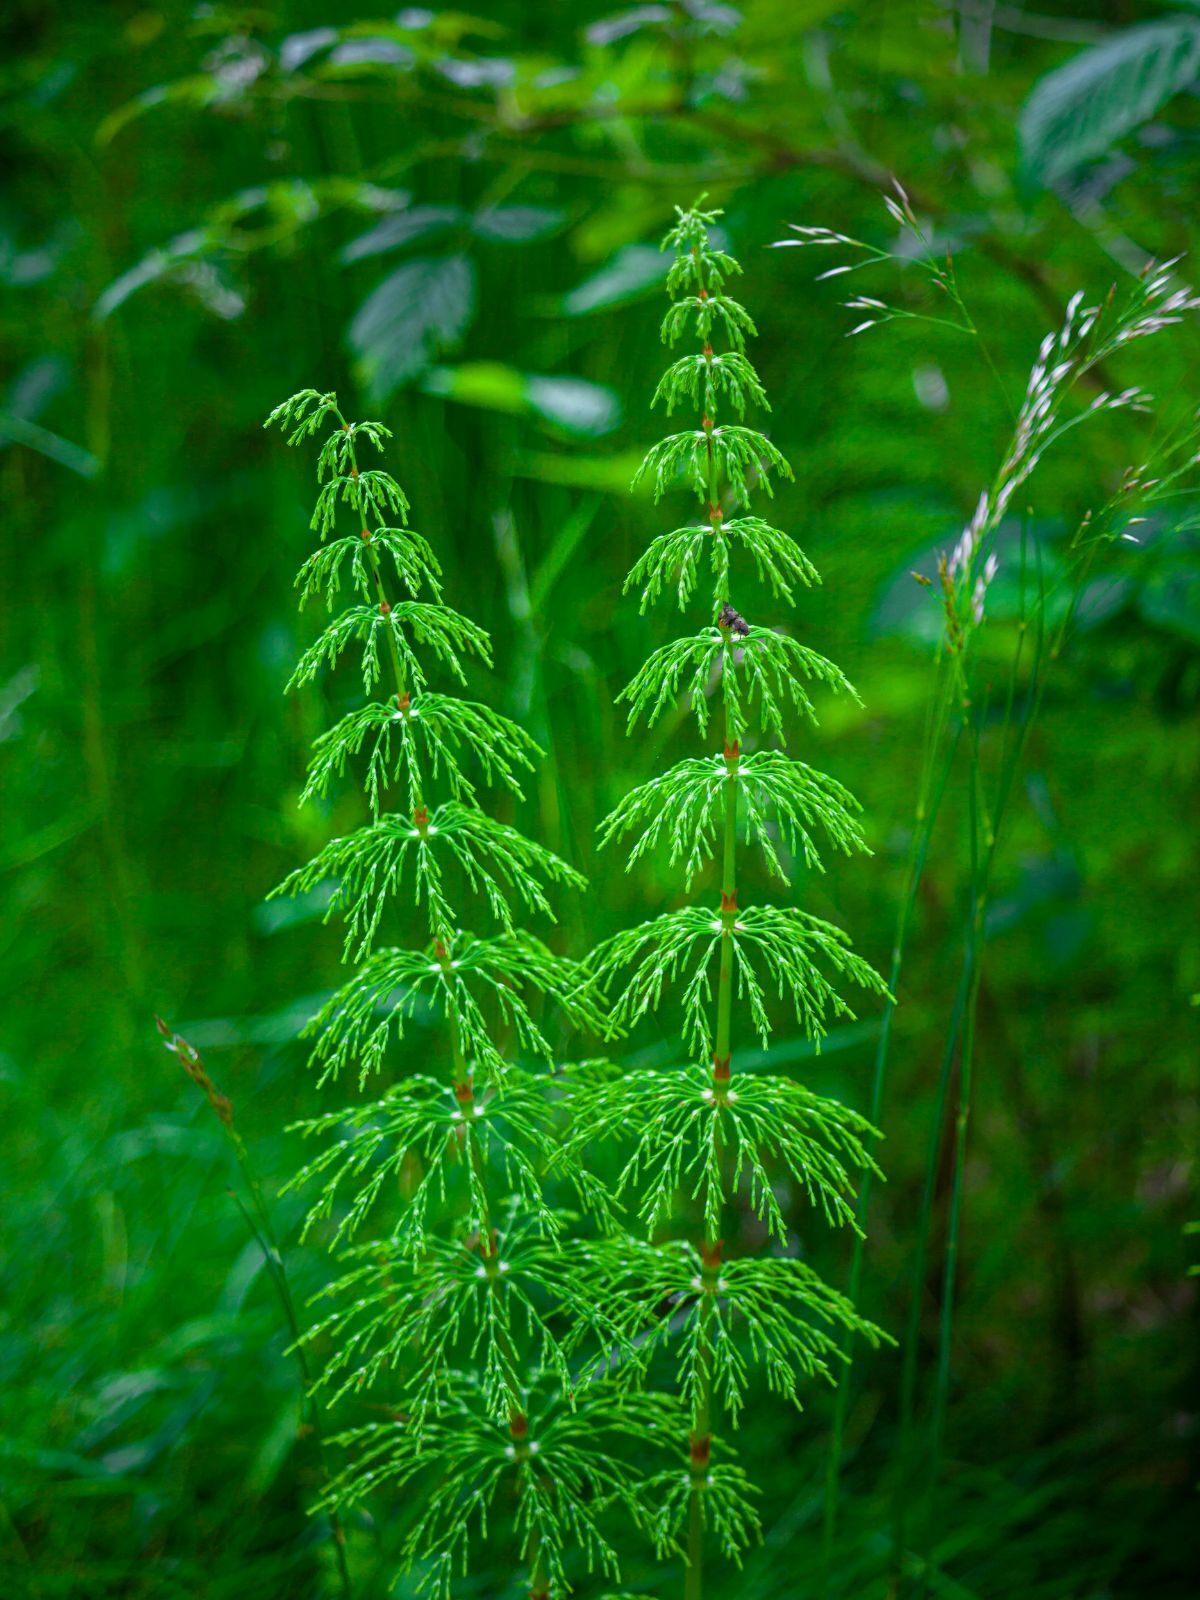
407	319
298	48
420	222
632	272
1171	600
576	405
1082	109
516	224
623	23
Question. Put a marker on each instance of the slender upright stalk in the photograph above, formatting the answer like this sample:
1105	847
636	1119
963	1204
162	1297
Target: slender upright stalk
257	1217
928	807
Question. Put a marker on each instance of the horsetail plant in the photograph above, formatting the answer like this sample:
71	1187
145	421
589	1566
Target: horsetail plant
469	1306
701	1131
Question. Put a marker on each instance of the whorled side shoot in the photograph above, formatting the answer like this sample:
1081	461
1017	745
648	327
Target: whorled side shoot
701	1134
468	1306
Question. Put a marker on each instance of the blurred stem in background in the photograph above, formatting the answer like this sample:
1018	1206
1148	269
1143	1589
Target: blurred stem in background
257	1217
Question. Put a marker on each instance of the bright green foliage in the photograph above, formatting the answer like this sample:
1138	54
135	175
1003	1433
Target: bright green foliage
772	946
371	865
700	1135
768	1311
564	1459
470	1298
355	1024
749	664
784	800
446	1298
674	558
686	1139
442	631
443	730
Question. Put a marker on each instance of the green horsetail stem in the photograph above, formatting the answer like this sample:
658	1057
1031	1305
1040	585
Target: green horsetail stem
706	1132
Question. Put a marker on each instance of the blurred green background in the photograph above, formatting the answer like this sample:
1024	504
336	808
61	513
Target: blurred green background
453	220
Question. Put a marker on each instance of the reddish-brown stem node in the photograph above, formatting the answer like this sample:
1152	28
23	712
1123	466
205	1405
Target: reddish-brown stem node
354	472
403	701
464	1093
421	818
518	1424
710	1252
700	1449
385	610
715	515
721	1069
706	423
365	535
729	903
733	749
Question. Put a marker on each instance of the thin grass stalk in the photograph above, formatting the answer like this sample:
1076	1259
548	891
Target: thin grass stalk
910	1340
981	875
257	1217
925	822
966	1073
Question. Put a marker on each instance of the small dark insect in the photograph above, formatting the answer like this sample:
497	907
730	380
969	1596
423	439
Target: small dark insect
733	620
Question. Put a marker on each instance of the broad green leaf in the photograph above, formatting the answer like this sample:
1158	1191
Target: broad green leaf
573	404
420	223
196	92
623	23
371	53
154	265
298	48
19	430
1082	109
632	271
516	224
610	474
489	384
1171	600
416	311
